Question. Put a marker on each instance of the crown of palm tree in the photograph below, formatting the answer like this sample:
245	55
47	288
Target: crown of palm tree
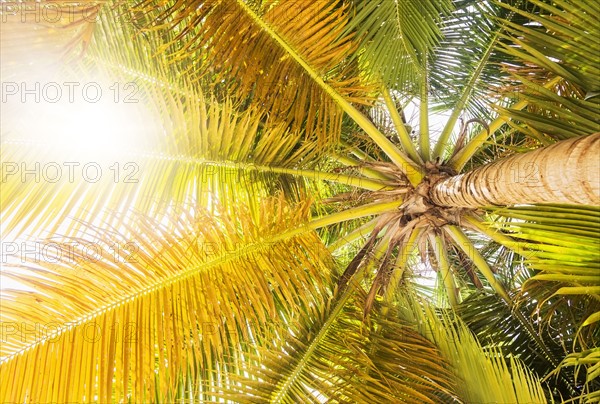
269	210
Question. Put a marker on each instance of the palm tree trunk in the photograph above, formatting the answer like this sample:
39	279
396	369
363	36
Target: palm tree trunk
566	172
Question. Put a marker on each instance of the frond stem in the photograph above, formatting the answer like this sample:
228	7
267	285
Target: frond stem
367	172
280	394
406	249
442	258
424	118
403	134
236	254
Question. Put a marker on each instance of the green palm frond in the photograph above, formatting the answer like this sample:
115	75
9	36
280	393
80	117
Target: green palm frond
401	354
558	41
397	37
210	147
560	243
338	358
549	61
495	324
561	39
189	167
559	117
505	381
564	249
589	360
206	146
465	72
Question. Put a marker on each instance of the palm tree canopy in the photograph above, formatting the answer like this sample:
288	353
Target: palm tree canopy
300	201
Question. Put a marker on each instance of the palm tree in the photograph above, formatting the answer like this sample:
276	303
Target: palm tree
275	243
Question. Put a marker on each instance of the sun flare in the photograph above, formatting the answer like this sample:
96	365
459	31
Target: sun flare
98	118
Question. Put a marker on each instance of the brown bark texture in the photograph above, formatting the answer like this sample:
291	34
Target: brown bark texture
566	172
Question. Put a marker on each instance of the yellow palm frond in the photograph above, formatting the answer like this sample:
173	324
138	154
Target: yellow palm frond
237	50
142	314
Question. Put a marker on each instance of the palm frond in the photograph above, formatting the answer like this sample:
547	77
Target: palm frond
504	381
205	146
275	33
222	286
564	249
189	167
556	42
396	37
150	300
560	243
69	28
384	360
495	324
464	64
254	66
560	38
